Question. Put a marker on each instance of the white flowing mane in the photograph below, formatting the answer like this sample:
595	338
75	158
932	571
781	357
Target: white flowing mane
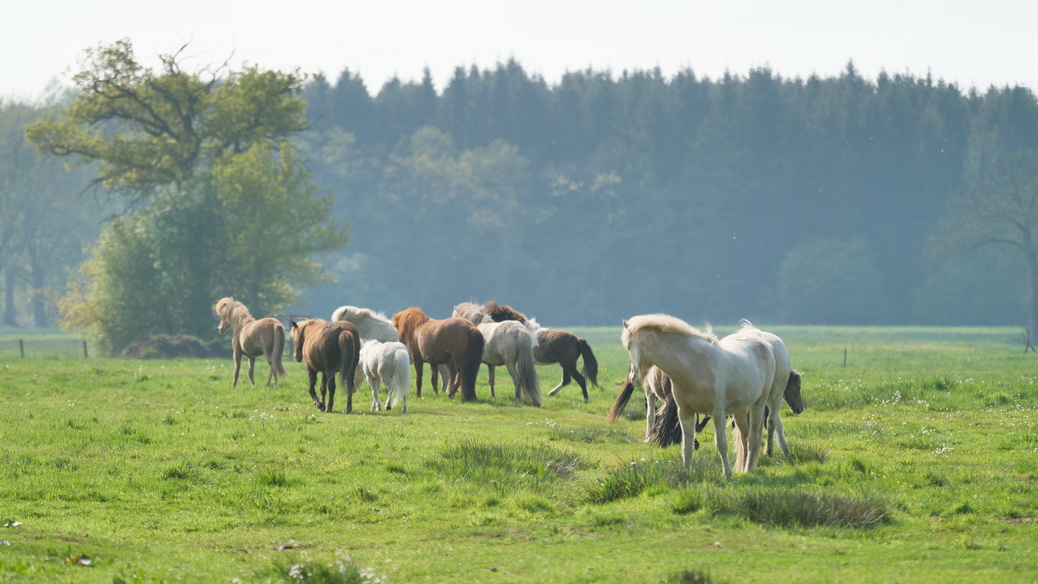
370	324
664	323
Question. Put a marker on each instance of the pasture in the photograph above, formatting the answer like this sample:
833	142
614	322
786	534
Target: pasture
917	461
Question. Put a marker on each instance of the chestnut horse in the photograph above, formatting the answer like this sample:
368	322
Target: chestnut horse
328	348
454	340
252	338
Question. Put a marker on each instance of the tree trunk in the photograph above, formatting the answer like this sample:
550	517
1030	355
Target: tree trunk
38	279
10	314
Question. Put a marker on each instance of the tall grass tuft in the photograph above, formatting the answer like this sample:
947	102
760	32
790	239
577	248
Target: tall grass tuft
340	571
510	464
800	508
692	577
635	478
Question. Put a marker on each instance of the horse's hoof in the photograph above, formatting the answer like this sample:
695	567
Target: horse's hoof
585	400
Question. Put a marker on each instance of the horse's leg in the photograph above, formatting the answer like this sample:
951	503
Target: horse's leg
688	435
515	377
313	382
331	394
252	368
237	366
580	380
720	438
324	391
756	425
418	366
563	383
376	405
490	379
650	413
775	425
434	378
455	381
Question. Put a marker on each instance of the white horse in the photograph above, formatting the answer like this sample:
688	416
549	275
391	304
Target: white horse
472	312
734	375
511	344
387	363
777	390
378	327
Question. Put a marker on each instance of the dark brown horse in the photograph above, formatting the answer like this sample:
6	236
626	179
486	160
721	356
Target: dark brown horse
564	348
328	348
453	341
503	312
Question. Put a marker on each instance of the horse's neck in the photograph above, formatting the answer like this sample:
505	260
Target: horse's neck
242	320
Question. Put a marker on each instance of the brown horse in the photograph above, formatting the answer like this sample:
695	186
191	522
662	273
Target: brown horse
453	341
503	312
328	348
555	346
252	338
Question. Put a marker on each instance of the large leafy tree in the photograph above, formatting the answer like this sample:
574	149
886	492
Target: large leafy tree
226	207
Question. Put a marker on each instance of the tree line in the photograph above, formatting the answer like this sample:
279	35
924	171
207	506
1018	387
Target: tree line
837	200
813	200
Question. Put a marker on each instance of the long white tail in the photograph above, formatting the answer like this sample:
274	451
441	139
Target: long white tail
401	379
526	369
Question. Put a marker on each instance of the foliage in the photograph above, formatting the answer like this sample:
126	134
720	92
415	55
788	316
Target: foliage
44	223
148	129
227	207
830	282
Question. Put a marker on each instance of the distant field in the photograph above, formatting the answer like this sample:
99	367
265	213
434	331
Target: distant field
915	462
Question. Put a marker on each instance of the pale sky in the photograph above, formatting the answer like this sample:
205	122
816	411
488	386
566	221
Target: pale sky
971	43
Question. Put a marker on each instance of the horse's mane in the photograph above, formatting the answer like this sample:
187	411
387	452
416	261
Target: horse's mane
360	312
500	312
406	321
235	311
664	323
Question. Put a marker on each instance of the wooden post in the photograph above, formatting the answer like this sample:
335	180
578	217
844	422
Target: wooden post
1027	341
21	347
845	356
85	354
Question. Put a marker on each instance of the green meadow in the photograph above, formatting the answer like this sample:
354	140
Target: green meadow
915	461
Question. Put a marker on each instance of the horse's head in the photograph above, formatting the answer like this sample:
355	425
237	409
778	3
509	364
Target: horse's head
223	310
792	393
298	335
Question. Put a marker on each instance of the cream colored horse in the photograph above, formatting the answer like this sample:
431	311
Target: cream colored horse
252	338
733	375
509	343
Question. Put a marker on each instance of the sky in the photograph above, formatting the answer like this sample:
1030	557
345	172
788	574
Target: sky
971	43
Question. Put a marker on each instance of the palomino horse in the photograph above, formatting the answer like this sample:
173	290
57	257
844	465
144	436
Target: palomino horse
708	376
389	363
377	326
453	340
252	338
328	348
509	343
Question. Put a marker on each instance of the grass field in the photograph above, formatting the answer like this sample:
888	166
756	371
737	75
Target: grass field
915	462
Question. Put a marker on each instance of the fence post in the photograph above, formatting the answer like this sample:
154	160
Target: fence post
85	354
845	356
21	347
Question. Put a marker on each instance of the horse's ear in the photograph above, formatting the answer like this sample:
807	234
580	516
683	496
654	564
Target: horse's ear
294	325
625	323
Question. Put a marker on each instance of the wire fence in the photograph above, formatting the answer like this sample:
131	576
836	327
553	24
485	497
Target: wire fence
54	346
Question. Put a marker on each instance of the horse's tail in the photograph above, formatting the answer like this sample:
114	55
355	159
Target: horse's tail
349	357
667	429
590	369
526	368
469	366
278	349
621	401
401	377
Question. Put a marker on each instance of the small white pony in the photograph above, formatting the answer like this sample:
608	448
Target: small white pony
387	363
734	375
511	344
377	326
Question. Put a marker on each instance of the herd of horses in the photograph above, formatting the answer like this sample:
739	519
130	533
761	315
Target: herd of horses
745	375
